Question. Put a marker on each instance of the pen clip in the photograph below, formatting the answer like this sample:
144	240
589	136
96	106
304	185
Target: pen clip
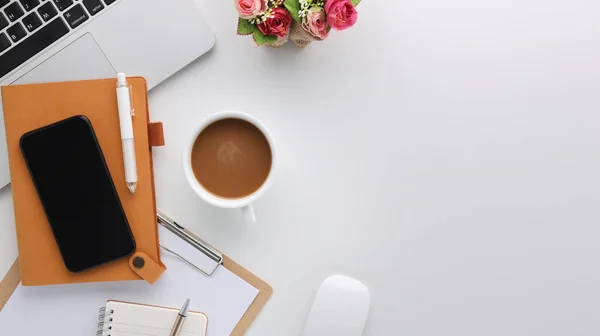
131	100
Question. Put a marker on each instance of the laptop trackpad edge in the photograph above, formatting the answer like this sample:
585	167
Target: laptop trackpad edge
81	60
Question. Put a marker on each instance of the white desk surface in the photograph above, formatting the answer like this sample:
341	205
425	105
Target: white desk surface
443	152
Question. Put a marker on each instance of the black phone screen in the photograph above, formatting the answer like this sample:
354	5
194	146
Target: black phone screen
77	192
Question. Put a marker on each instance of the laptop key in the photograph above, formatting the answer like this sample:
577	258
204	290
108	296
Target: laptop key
3	21
47	11
32	45
107	2
13	11
4	3
32	22
4	42
29	4
93	6
63	4
76	16
16	32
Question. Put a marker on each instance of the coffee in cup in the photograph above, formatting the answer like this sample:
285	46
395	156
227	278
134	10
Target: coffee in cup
230	160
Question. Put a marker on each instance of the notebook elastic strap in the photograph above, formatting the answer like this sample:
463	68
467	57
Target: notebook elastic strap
145	267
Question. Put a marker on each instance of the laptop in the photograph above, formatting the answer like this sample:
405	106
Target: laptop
63	40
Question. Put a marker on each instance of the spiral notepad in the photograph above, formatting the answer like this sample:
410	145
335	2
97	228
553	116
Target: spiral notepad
130	319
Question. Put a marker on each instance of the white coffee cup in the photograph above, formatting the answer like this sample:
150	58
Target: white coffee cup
245	203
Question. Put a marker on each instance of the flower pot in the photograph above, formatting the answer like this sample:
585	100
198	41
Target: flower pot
300	36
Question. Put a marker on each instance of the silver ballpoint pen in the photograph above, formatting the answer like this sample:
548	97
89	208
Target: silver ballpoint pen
180	319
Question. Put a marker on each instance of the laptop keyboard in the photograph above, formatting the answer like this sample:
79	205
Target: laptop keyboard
27	27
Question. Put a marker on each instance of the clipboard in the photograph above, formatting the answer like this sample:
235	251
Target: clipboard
264	290
13	278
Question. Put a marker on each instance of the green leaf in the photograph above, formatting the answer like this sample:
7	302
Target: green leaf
245	27
355	2
261	38
293	6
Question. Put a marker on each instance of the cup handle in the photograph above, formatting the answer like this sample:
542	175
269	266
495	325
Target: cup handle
248	212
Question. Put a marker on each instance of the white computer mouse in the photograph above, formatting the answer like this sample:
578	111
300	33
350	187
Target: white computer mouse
340	308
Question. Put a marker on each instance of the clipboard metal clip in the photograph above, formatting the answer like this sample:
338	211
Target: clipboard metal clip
191	239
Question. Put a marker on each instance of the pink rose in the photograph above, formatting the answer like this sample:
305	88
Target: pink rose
341	14
277	24
315	22
249	9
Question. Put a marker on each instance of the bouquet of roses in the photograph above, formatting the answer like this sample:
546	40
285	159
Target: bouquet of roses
274	22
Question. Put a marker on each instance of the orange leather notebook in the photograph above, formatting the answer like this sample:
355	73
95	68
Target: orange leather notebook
28	107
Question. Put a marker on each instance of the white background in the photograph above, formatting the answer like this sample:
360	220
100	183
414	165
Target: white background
443	152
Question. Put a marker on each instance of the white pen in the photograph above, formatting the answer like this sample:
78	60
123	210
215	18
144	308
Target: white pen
125	115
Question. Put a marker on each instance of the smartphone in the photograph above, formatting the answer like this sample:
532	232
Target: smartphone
77	193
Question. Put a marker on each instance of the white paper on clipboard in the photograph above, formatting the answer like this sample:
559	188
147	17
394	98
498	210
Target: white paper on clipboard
72	310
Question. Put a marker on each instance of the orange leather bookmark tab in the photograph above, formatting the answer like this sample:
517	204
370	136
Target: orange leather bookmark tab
156	134
145	267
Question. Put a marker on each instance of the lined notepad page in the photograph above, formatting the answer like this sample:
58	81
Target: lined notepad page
128	319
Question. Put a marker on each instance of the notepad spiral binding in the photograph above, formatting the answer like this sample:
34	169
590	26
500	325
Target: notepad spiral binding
105	318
